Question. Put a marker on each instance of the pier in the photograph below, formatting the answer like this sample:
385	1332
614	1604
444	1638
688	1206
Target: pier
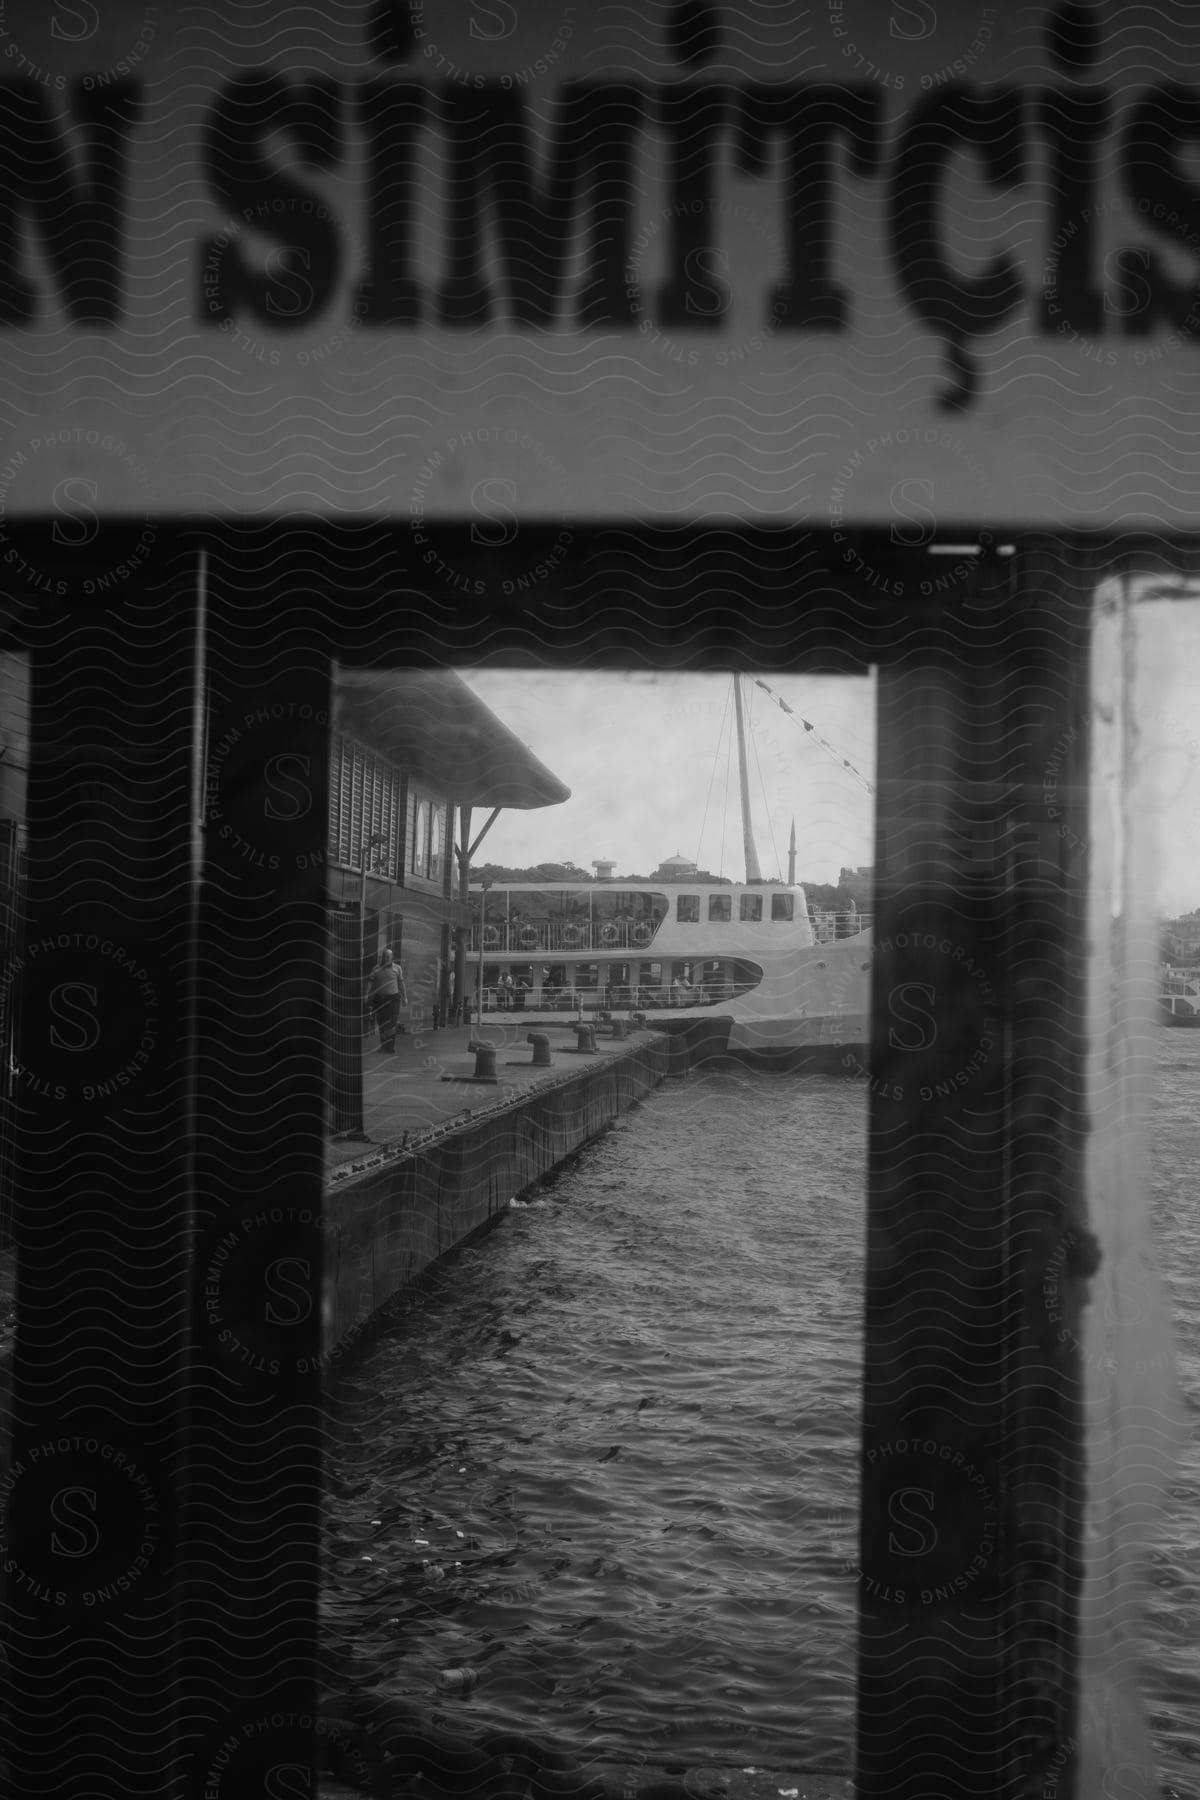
443	1152
447	1152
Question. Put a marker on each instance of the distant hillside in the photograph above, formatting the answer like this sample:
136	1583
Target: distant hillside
853	885
497	873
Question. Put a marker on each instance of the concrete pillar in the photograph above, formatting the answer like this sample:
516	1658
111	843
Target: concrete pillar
345	1022
461	985
102	1174
248	1512
972	1497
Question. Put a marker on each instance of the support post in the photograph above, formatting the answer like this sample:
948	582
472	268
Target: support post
968	1560
461	1004
102	1176
248	1522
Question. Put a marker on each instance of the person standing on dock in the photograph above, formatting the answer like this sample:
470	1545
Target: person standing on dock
386	993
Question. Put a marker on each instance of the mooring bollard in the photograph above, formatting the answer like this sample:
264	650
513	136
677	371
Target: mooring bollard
485	1061
619	1029
541	1049
586	1034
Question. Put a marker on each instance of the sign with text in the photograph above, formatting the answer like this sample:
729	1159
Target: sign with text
915	265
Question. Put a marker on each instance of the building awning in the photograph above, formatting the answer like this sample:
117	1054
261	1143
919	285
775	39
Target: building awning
430	724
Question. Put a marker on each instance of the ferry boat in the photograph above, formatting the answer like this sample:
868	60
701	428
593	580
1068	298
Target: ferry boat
772	975
1179	998
750	956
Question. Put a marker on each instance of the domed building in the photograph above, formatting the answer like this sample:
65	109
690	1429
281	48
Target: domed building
674	868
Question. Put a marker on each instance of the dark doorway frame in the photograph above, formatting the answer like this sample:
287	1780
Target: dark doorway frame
218	1635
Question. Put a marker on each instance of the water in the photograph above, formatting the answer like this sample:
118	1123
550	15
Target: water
609	1456
1172	1619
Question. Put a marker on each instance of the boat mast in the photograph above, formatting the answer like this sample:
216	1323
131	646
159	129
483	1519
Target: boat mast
753	872
792	856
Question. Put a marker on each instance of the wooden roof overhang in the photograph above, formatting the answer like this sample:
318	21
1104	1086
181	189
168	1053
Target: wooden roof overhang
430	724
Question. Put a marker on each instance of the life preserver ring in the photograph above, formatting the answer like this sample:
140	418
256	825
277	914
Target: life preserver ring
572	937
491	936
643	933
609	934
528	937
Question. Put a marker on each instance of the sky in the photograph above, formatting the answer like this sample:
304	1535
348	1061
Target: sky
1167	706
647	756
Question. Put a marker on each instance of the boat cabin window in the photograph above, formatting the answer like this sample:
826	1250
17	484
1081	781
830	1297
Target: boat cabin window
720	908
687	909
782	906
750	906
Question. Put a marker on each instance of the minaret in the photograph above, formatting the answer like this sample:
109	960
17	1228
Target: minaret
792	856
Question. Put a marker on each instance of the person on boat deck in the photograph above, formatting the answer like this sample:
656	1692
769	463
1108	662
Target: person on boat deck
506	990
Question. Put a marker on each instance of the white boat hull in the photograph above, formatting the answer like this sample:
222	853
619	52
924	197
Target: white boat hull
822	998
772	1035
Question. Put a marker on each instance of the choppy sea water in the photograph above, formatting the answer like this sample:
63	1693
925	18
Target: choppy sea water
607	1456
1172	1616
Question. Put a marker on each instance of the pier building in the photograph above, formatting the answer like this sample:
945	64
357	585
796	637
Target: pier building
415	756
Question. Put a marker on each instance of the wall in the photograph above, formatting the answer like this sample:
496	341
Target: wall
393	1222
424	915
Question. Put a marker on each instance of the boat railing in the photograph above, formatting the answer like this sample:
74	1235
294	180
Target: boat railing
829	926
543	937
546	937
613	999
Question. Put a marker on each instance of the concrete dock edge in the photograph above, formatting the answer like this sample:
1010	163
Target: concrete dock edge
390	1223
